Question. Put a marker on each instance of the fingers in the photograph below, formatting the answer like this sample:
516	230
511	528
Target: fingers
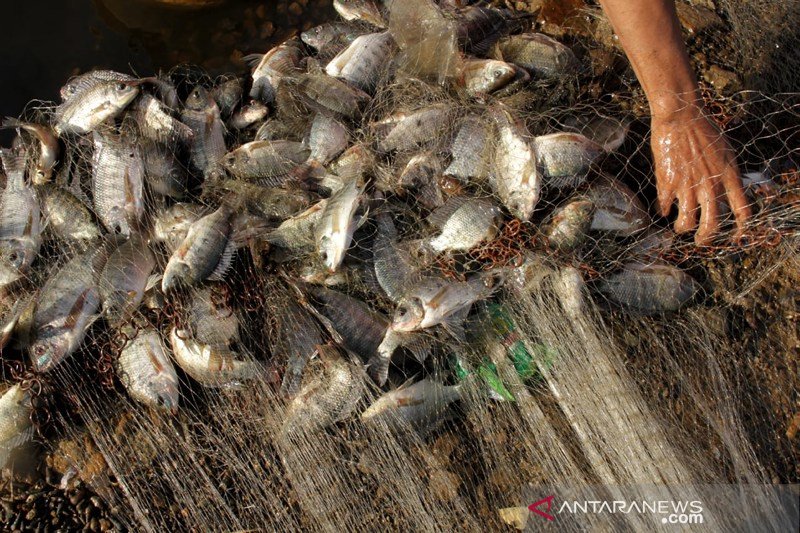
736	198
687	209
708	195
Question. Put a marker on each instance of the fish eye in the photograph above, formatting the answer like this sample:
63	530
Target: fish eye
402	311
497	73
323	255
39	350
13	256
121	86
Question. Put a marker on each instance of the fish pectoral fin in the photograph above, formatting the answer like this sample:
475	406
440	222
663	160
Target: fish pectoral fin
378	369
454	324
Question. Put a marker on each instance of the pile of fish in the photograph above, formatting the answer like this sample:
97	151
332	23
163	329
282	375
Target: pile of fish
359	179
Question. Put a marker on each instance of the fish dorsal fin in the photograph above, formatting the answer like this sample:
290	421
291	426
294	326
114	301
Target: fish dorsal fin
225	261
252	60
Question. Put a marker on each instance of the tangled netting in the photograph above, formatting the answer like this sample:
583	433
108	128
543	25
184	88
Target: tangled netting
595	349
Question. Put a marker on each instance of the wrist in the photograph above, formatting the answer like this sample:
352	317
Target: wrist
666	104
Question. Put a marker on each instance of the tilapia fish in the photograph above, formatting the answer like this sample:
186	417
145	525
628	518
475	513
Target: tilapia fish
334	230
617	208
117	183
541	55
67	305
208	364
207	147
271	68
361	328
172	224
569	224
331	395
49	148
650	288
483	76
378	365
15	421
124	279
20	224
144	368
66	216
433	301
565	158
163	173
89	79
410	130
227	95
298	232
328	138
330	95
205	253
364	10
156	123
364	61
420	405
86	110
271	203
465	222
250	114
394	267
330	38
515	173
265	159
469	151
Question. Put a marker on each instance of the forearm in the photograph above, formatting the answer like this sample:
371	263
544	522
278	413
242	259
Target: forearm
650	34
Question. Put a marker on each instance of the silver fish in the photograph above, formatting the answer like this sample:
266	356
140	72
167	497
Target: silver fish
156	123
117	183
327	94
394	267
271	68
569	224
49	148
470	150
298	232
207	148
265	159
421	405
432	301
483	76
210	365
410	130
163	173
205	253
124	279
89	79
650	288
422	169
90	108
355	163
147	373
271	203
15	421
617	208
66	216
609	132
330	38
365	10
541	55
294	334
250	114
66	307
20	224
515	176
328	138
361	328
331	395
334	230
565	158
172	224
227	95
365	61
465	223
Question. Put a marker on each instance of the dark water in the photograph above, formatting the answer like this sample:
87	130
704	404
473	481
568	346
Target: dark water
44	42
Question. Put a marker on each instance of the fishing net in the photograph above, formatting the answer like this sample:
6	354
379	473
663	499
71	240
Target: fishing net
572	377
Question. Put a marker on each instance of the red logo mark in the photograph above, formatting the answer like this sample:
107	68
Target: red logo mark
534	507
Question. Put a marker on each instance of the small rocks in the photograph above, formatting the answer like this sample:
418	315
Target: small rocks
697	19
721	79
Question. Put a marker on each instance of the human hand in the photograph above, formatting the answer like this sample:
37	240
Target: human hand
694	164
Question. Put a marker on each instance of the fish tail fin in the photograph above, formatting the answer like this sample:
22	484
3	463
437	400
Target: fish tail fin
378	369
